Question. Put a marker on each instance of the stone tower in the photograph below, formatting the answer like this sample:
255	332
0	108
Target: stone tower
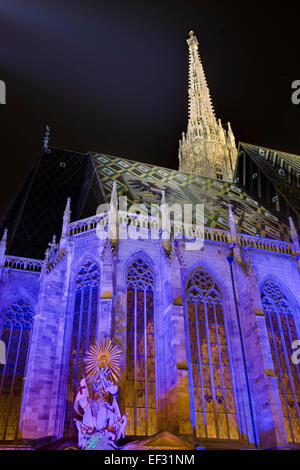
206	149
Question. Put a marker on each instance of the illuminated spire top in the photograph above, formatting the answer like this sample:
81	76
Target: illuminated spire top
46	137
3	243
206	148
200	105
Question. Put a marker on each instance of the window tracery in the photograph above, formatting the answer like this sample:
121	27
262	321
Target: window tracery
282	332
83	331
215	413
140	350
15	330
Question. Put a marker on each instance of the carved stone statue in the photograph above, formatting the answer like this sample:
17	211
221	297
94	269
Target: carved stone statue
101	425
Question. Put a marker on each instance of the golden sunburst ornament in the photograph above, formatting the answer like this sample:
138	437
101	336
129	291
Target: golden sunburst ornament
104	354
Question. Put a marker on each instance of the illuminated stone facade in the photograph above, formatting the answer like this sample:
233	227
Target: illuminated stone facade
186	367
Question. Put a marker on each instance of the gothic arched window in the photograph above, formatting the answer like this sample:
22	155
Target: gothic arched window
215	414
140	351
15	330
83	332
282	332
219	174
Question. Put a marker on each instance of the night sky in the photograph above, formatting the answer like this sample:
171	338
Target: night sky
111	76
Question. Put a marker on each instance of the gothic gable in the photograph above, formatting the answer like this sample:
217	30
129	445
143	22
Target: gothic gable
162	440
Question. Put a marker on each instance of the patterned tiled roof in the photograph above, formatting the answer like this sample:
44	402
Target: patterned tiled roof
143	183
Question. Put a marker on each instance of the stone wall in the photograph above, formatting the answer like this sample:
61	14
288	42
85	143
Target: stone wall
52	295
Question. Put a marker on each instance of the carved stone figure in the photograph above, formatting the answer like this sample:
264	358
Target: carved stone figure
102	424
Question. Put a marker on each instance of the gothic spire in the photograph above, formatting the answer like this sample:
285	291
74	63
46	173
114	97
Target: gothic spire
233	234
3	244
65	225
200	104
113	213
114	197
46	137
163	207
67	212
206	149
232	224
165	233
294	236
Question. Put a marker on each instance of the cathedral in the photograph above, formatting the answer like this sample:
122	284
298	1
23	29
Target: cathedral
207	331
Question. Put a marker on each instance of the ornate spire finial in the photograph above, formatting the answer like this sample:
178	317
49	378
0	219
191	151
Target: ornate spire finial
65	226
47	255
46	262
294	236
206	147
52	250
67	212
233	235
165	225
164	215
46	137
113	213
232	224
3	244
114	195
4	237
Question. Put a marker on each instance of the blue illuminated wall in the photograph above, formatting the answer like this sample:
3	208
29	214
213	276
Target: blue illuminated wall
198	381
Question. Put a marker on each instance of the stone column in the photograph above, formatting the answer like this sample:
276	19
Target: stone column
263	381
177	389
105	315
40	405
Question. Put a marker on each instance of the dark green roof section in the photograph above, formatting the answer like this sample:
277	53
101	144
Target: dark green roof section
268	155
282	169
143	183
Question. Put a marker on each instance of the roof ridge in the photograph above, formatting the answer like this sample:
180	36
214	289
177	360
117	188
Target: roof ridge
272	150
